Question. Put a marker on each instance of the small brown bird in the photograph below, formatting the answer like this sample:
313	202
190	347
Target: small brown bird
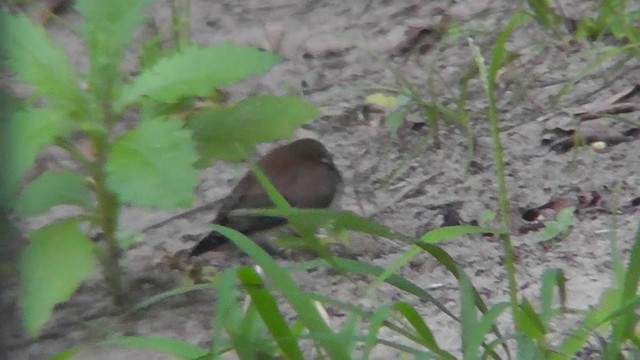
302	171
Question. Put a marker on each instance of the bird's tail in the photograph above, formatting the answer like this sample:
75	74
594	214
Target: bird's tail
209	243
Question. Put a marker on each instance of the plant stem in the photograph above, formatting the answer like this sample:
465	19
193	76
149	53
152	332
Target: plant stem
108	211
488	80
181	22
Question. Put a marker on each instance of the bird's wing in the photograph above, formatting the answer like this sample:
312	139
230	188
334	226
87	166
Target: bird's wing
248	194
303	186
310	186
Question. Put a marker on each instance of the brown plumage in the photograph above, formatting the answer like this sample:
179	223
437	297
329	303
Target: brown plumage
302	171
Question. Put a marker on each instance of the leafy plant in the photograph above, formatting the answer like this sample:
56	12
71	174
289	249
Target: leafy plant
249	316
544	14
561	226
613	18
149	165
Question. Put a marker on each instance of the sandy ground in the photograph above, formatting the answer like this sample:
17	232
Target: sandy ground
336	53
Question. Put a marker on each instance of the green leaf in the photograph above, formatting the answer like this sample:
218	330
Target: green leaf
316	218
227	314
37	61
623	328
486	217
383	100
550	279
151	50
268	309
196	71
593	318
151	165
166	345
53	188
453	232
307	313
68	354
252	340
227	132
469	318
431	237
529	322
543	12
394	120
375	323
486	323
422	329
126	239
450	264
354	266
170	293
27	132
108	27
550	231
566	218
499	54
52	266
528	349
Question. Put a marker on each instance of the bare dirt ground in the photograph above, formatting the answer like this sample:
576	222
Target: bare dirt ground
336	53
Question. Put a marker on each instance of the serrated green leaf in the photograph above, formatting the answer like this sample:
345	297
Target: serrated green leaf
37	61
53	188
224	132
52	266
27	132
107	29
196	71
151	165
178	348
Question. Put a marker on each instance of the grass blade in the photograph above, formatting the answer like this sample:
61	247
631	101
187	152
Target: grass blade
227	312
170	293
307	312
178	348
431	237
267	307
623	327
428	341
550	279
377	320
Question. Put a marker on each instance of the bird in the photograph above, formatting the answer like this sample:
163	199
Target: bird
302	171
